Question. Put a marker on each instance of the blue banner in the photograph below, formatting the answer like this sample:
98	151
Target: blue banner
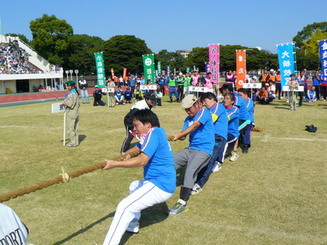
323	58
286	61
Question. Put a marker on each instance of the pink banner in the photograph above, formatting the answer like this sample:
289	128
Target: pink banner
214	59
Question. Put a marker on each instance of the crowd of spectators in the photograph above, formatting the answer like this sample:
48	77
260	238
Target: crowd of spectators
14	60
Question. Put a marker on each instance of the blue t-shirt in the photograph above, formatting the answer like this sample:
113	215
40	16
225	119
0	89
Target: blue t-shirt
203	138
233	123
119	94
250	108
128	94
221	124
160	168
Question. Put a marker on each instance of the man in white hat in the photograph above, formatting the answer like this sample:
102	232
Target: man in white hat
199	126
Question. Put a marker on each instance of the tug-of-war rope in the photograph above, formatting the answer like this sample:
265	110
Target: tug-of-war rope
62	178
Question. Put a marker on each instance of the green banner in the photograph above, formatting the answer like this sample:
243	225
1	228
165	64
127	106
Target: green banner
149	71
188	69
100	69
159	67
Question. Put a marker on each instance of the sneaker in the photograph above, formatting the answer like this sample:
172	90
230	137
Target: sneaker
234	156
134	226
179	208
70	145
196	189
217	167
245	150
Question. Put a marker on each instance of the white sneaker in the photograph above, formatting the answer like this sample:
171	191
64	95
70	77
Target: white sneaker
134	226
234	156
217	167
196	189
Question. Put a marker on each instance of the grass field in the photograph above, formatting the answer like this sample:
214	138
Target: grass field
276	194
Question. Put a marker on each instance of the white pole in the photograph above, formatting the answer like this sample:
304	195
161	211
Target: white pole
64	130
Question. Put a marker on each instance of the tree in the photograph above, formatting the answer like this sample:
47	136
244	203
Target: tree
124	51
198	57
173	59
81	53
306	33
50	38
306	41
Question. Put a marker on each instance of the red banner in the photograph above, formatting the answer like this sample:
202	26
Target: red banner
240	68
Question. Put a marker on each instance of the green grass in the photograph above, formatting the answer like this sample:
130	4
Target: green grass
276	194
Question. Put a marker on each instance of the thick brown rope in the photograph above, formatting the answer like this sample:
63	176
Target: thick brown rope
64	177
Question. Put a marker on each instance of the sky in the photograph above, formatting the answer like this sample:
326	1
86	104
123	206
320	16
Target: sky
174	24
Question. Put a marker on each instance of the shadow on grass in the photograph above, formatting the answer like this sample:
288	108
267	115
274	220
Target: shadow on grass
81	138
84	229
150	216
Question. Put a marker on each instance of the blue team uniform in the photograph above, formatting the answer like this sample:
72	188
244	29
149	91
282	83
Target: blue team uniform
202	138
160	168
233	123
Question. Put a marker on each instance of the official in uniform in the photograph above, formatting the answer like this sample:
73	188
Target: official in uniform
72	113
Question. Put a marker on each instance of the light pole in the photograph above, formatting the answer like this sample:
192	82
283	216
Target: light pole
76	74
71	74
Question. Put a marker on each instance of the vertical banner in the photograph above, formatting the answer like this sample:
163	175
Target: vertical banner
240	68
286	61
159	67
214	62
100	69
168	70
323	58
112	73
188	69
149	71
125	74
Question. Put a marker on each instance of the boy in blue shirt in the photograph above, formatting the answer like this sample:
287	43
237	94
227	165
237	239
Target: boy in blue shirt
198	125
159	182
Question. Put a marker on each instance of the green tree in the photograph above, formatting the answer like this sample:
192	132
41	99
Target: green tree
198	57
50	38
306	33
81	53
173	59
124	51
21	37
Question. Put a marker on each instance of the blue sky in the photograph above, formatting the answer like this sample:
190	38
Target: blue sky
174	25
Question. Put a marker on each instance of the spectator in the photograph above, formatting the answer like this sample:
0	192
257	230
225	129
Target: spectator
128	95
311	95
97	95
119	96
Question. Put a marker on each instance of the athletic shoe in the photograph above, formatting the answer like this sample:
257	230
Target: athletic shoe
245	150
70	145
134	226
217	167
234	156
179	208
196	189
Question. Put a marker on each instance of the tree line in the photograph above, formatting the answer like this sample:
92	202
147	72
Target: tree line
54	39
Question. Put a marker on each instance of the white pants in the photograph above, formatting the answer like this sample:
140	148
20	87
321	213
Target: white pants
144	194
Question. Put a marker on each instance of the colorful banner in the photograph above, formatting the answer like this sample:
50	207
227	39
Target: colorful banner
125	74
240	68
112	73
188	69
323	58
149	71
100	69
286	61
159	67
168	70
214	61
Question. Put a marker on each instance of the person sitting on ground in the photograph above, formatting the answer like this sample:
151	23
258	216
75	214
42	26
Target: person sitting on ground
128	95
138	95
97	95
311	94
119	96
263	96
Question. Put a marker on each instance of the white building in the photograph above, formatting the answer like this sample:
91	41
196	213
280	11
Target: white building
48	76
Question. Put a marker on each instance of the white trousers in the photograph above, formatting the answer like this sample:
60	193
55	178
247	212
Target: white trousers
144	194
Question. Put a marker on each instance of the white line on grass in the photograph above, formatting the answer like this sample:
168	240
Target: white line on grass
286	235
266	137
